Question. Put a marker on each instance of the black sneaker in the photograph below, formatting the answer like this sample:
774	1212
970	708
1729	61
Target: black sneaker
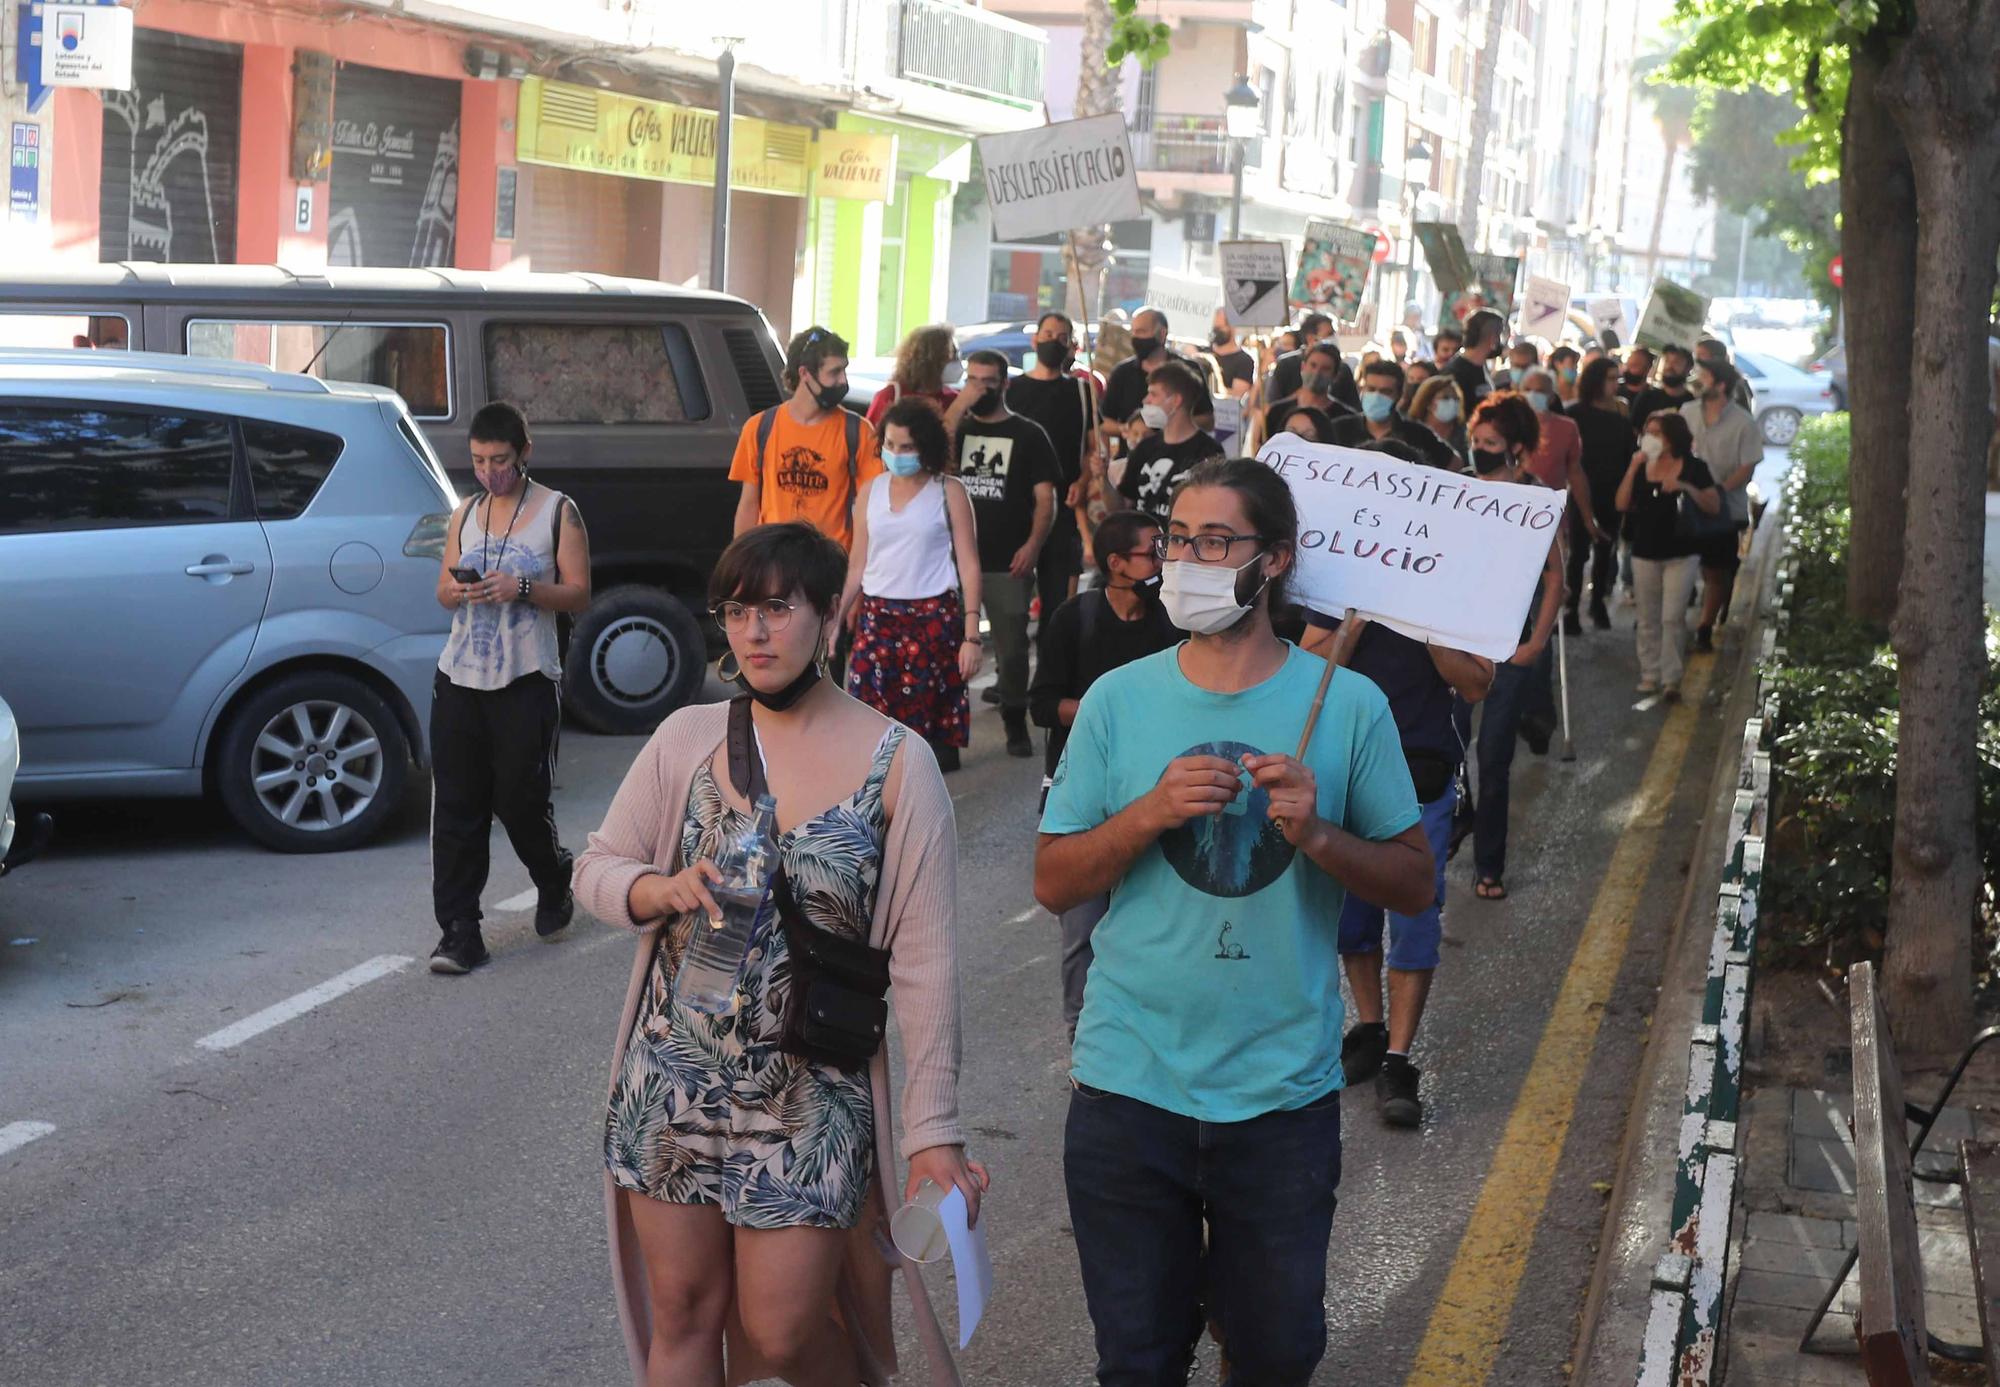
460	950
990	694
1704	638
553	917
1396	1093
1599	617
1572	623
1537	733
1019	743
947	758
1362	1051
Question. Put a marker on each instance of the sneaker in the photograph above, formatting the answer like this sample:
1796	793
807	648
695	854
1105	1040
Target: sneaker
460	950
1019	743
990	694
1599	617
1671	693
553	917
1362	1050
1396	1093
1648	686
1704	638
947	758
1572	623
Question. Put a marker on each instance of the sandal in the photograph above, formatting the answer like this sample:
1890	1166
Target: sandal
1489	889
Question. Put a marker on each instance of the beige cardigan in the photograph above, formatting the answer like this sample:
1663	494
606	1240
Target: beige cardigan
915	919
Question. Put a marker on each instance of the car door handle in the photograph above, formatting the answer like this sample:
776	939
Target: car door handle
214	568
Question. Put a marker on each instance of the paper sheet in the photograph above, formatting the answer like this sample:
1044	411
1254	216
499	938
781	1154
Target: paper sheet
970	1265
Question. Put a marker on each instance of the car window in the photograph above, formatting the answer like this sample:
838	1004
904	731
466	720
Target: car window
412	359
1749	368
81	467
108	330
287	466
595	373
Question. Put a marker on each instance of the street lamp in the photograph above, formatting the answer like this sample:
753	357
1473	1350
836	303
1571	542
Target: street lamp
1239	108
725	117
1417	161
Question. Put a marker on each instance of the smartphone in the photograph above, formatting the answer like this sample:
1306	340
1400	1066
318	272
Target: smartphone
467	575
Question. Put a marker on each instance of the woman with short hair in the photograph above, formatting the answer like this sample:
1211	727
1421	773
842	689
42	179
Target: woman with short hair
1439	406
1664	554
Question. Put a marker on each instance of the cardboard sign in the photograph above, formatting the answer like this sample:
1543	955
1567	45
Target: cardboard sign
1498	276
1609	316
1188	303
1438	556
1673	317
1334	264
1228	430
1444	251
1253	283
1053	178
1545	309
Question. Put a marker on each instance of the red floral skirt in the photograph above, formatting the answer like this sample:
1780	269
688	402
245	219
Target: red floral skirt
906	665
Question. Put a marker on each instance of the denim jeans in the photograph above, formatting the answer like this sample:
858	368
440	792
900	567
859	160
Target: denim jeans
1144	1182
1499	725
1413	939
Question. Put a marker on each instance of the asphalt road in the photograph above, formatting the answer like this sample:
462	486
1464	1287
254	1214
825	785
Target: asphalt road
401	1184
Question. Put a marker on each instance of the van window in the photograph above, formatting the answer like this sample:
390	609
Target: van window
595	373
107	330
84	468
287	466
412	359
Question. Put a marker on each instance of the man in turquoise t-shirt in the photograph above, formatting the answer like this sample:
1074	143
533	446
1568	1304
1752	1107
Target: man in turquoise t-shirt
1206	1074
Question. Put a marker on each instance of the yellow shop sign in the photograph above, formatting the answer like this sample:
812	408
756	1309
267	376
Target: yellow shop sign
609	132
853	165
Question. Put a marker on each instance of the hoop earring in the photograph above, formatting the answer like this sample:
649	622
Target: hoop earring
728	676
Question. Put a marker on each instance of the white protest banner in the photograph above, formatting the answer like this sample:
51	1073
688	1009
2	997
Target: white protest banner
1673	317
1057	177
1253	283
1228	427
1436	555
1545	309
1609	316
1188	303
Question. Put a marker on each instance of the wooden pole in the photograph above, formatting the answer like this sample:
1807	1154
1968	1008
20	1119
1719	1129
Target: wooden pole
1343	646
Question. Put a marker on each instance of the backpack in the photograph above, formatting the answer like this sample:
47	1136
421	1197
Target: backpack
768	420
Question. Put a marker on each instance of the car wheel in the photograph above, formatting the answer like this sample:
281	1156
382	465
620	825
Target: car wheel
1780	425
1839	397
315	762
635	656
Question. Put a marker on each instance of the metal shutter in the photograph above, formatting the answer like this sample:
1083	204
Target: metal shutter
753	369
596	222
393	196
170	144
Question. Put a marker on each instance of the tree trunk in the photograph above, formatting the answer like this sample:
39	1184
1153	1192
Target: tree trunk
1660	209
1482	124
1096	95
1943	91
1878	212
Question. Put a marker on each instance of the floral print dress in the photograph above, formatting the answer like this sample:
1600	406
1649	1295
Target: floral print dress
708	1109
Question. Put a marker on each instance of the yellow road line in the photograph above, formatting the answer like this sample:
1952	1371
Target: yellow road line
1469	1322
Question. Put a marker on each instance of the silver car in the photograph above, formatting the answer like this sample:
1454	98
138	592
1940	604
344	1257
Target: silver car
219	579
1785	395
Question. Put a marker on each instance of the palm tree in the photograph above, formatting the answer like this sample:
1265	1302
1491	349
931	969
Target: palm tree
1097	94
1482	124
1673	113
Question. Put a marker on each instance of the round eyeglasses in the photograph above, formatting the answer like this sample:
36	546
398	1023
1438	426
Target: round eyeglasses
734	617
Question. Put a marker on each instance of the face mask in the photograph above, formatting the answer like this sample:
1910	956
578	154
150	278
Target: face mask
784	698
1446	410
1538	400
1673	380
1200	598
991	402
1488	460
1143	347
903	464
1317	383
1376	406
1569	375
1504	375
954	372
1633	382
1054	355
1651	446
828	396
1152	416
1219	337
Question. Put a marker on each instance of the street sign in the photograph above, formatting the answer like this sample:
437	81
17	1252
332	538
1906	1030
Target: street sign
1835	272
1183	299
1253	283
1054	178
1384	247
1545	309
302	209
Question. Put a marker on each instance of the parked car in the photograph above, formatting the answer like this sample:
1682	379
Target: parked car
1785	395
1832	364
21	840
221	579
636	392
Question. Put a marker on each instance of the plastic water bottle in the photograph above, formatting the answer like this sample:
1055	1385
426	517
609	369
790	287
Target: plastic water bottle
714	958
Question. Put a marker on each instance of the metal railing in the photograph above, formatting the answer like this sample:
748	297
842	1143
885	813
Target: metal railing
972	51
1189	143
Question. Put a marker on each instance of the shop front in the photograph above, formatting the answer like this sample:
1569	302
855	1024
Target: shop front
392	198
170	144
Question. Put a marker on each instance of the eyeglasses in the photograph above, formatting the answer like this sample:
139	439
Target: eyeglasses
734	617
1209	548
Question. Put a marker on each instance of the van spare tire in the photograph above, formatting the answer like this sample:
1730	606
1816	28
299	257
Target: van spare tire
635	655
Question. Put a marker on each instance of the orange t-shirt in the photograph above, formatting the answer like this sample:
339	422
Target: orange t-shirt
803	474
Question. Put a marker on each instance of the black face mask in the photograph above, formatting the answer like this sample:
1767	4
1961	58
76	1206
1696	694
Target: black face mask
1673	380
1055	355
784	698
828	396
1143	347
1219	337
1486	461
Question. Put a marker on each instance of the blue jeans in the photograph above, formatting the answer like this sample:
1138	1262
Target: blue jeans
1413	939
1143	1183
1499	728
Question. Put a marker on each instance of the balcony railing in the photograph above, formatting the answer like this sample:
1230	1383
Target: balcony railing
968	50
1190	144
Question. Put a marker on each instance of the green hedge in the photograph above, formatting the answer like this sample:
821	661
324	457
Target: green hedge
1826	884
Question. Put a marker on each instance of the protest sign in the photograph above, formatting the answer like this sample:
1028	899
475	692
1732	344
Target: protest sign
1436	555
1333	268
1545	309
1444	251
1253	283
1608	315
1184	300
1228	427
1673	317
1056	177
1498	276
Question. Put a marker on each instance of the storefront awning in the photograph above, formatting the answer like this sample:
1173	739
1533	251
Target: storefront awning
634	137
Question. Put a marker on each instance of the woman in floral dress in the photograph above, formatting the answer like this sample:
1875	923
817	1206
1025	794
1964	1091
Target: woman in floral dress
746	1185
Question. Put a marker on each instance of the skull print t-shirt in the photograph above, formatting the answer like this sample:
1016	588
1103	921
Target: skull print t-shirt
1215	987
1157	465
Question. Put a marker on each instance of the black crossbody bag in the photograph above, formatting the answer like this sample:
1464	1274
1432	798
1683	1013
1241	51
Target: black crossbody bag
837	1011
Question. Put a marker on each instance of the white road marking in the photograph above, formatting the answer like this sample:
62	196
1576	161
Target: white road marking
293	1007
1030	913
1024	967
520	902
18	1134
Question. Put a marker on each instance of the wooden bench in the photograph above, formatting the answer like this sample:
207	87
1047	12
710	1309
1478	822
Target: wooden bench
1891	1323
1980	1160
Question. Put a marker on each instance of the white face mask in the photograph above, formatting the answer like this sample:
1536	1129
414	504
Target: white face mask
1152	416
1200	598
1651	446
954	371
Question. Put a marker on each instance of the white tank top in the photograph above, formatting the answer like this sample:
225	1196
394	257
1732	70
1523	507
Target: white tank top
494	643
909	551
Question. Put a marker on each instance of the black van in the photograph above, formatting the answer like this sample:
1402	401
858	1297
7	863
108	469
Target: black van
636	392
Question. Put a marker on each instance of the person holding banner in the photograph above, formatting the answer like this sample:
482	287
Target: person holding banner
1676	365
1380	420
1065	403
1726	438
1558	462
1662	473
1126	390
1238	367
1468	366
1205	1079
1308	423
1638	370
1505	433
